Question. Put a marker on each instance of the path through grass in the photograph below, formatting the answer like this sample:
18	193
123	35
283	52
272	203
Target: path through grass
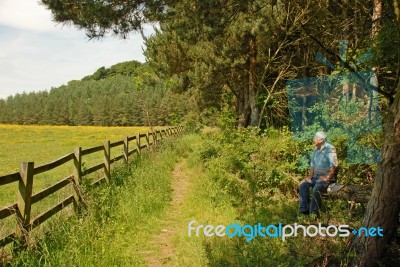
161	249
195	197
148	205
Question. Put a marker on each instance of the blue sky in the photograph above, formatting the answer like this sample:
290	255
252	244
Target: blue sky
37	54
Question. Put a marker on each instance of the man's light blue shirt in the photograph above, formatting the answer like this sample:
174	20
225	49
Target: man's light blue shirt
323	159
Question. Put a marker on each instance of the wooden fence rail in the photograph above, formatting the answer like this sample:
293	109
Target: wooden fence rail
25	177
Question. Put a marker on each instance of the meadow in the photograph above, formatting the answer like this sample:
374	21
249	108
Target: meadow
44	144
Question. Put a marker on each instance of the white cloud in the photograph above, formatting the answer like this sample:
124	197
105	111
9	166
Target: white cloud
37	55
26	14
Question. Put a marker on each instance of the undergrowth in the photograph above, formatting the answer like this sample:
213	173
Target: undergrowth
260	171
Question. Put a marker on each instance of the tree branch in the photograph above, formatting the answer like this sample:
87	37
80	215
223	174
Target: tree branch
347	65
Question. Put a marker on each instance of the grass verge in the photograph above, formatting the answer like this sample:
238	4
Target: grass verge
118	221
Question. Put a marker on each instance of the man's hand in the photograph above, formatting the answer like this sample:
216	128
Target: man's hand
309	178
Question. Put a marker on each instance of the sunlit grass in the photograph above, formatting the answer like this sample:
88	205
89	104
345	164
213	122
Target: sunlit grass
44	144
119	220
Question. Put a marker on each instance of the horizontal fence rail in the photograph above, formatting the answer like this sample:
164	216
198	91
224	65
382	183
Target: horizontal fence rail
9	178
25	178
54	164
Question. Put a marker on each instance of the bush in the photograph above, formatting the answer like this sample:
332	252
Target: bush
260	171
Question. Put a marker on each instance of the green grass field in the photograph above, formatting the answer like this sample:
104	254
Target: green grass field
44	144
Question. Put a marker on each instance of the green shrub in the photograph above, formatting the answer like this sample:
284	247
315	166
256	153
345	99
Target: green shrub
260	170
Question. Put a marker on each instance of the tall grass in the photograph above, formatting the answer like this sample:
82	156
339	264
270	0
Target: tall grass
119	219
205	203
122	217
43	144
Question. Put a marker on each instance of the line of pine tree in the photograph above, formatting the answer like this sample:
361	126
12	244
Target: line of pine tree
125	94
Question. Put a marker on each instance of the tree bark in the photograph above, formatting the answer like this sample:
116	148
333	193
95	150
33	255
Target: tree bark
253	79
396	10
376	25
248	111
384	205
243	108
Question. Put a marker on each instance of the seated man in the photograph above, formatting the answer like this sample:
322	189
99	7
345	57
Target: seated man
323	164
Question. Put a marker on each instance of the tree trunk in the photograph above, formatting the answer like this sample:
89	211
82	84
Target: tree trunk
253	79
396	9
243	108
354	193
247	100
384	205
376	25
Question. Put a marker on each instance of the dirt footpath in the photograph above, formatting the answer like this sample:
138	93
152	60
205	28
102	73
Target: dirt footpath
161	248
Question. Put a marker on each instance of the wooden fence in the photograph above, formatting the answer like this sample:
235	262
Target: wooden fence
27	172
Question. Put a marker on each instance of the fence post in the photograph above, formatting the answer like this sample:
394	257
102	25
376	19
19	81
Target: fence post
25	186
78	164
147	140
155	137
107	159
138	143
77	179
126	149
152	143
